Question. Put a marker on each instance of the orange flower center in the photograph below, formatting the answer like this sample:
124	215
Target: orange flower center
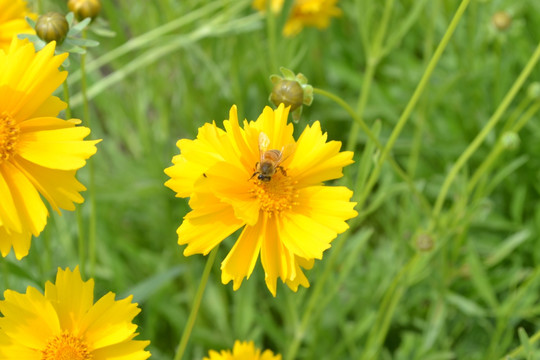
66	346
9	134
276	195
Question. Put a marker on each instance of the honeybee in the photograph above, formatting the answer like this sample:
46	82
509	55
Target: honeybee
269	160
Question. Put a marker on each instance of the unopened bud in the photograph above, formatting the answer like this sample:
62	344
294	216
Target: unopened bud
288	92
52	26
84	8
510	140
501	20
533	91
424	242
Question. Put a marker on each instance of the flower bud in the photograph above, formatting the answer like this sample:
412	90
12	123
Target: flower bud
52	26
424	242
288	92
84	8
501	20
510	140
533	91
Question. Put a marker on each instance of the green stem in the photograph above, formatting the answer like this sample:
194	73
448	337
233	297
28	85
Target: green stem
271	34
499	147
388	307
91	188
314	300
152	36
412	102
514	354
358	120
196	305
78	210
373	56
473	146
362	101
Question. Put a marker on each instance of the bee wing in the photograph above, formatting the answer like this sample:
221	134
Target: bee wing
287	151
264	142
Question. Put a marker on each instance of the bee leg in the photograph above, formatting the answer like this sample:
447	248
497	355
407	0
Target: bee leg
282	170
256	172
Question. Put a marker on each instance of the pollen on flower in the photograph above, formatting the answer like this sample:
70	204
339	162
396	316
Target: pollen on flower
276	195
66	346
9	134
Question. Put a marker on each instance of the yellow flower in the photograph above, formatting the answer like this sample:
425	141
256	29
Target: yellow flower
275	5
316	13
64	323
39	153
287	214
242	351
12	21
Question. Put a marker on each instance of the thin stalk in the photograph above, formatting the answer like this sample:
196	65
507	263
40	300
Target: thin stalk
412	102
271	34
91	187
514	354
358	120
373	56
78	210
196	305
479	139
314	300
499	148
150	37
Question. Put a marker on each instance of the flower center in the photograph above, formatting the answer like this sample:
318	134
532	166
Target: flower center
277	194
66	346
9	134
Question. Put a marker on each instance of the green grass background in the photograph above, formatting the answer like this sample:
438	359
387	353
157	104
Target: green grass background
380	296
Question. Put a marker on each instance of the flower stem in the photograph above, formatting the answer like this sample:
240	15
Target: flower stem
473	146
91	187
196	304
314	300
357	119
412	102
78	211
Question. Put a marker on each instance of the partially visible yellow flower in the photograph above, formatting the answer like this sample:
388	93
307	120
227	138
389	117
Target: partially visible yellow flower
12	21
64	323
260	179
275	5
315	13
242	351
39	153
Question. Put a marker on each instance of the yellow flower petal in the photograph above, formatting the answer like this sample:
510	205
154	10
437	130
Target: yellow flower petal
19	241
242	258
206	226
59	187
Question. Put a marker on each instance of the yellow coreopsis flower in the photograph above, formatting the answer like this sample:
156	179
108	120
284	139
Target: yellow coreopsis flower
64	323
259	178
12	21
39	153
242	351
315	13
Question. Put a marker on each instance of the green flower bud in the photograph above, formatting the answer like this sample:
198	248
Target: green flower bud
288	92
84	8
510	140
52	26
501	20
424	242
533	91
291	90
